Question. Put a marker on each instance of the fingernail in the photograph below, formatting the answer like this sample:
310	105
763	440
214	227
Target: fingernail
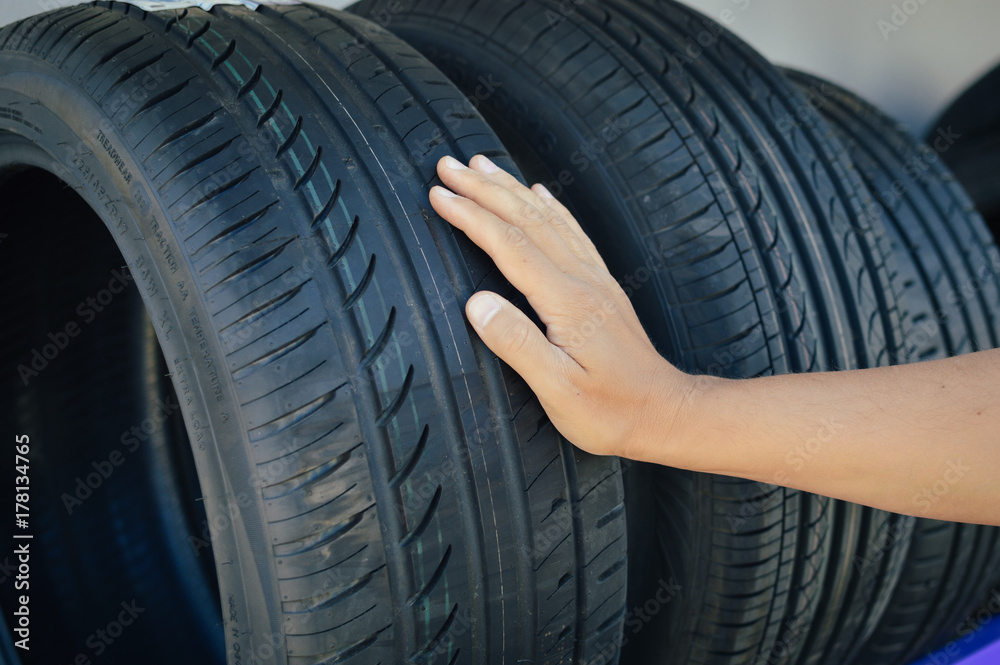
487	166
544	191
441	191
453	163
482	308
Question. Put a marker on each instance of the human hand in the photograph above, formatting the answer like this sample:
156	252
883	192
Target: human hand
594	370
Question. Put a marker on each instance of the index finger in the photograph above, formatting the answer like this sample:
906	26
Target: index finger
524	265
555	218
550	200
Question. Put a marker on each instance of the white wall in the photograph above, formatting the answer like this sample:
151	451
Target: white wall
913	72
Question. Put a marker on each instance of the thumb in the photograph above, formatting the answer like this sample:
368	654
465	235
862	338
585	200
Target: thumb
510	334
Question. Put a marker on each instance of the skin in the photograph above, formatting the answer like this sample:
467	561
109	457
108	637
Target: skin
919	439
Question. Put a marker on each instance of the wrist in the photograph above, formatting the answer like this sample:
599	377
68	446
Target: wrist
676	418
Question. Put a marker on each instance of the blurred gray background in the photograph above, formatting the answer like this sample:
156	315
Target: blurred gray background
911	64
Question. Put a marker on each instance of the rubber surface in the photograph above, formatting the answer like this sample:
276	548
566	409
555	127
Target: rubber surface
744	241
952	271
381	488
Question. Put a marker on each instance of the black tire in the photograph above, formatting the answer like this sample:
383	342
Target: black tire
951	267
753	269
967	137
379	488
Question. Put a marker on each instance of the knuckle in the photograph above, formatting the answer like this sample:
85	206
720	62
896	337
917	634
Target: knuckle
557	219
594	302
584	308
515	237
563	230
576	245
493	189
583	299
528	215
516	338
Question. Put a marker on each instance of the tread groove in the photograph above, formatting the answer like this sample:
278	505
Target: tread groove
249	84
322	538
219	191
329	599
390	411
198	34
200	159
252	265
310	170
186	129
160	98
370	355
233	228
425	654
269	112
290	139
276	354
362	286
345	245
327	208
432	581
225	55
411	463
425	521
288	420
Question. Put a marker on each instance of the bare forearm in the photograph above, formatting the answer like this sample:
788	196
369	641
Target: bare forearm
920	439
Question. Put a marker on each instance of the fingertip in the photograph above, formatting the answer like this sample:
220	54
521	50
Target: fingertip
449	168
482	308
542	190
484	165
438	190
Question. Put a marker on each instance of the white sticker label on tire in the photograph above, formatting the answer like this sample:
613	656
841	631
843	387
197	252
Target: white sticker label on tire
160	5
